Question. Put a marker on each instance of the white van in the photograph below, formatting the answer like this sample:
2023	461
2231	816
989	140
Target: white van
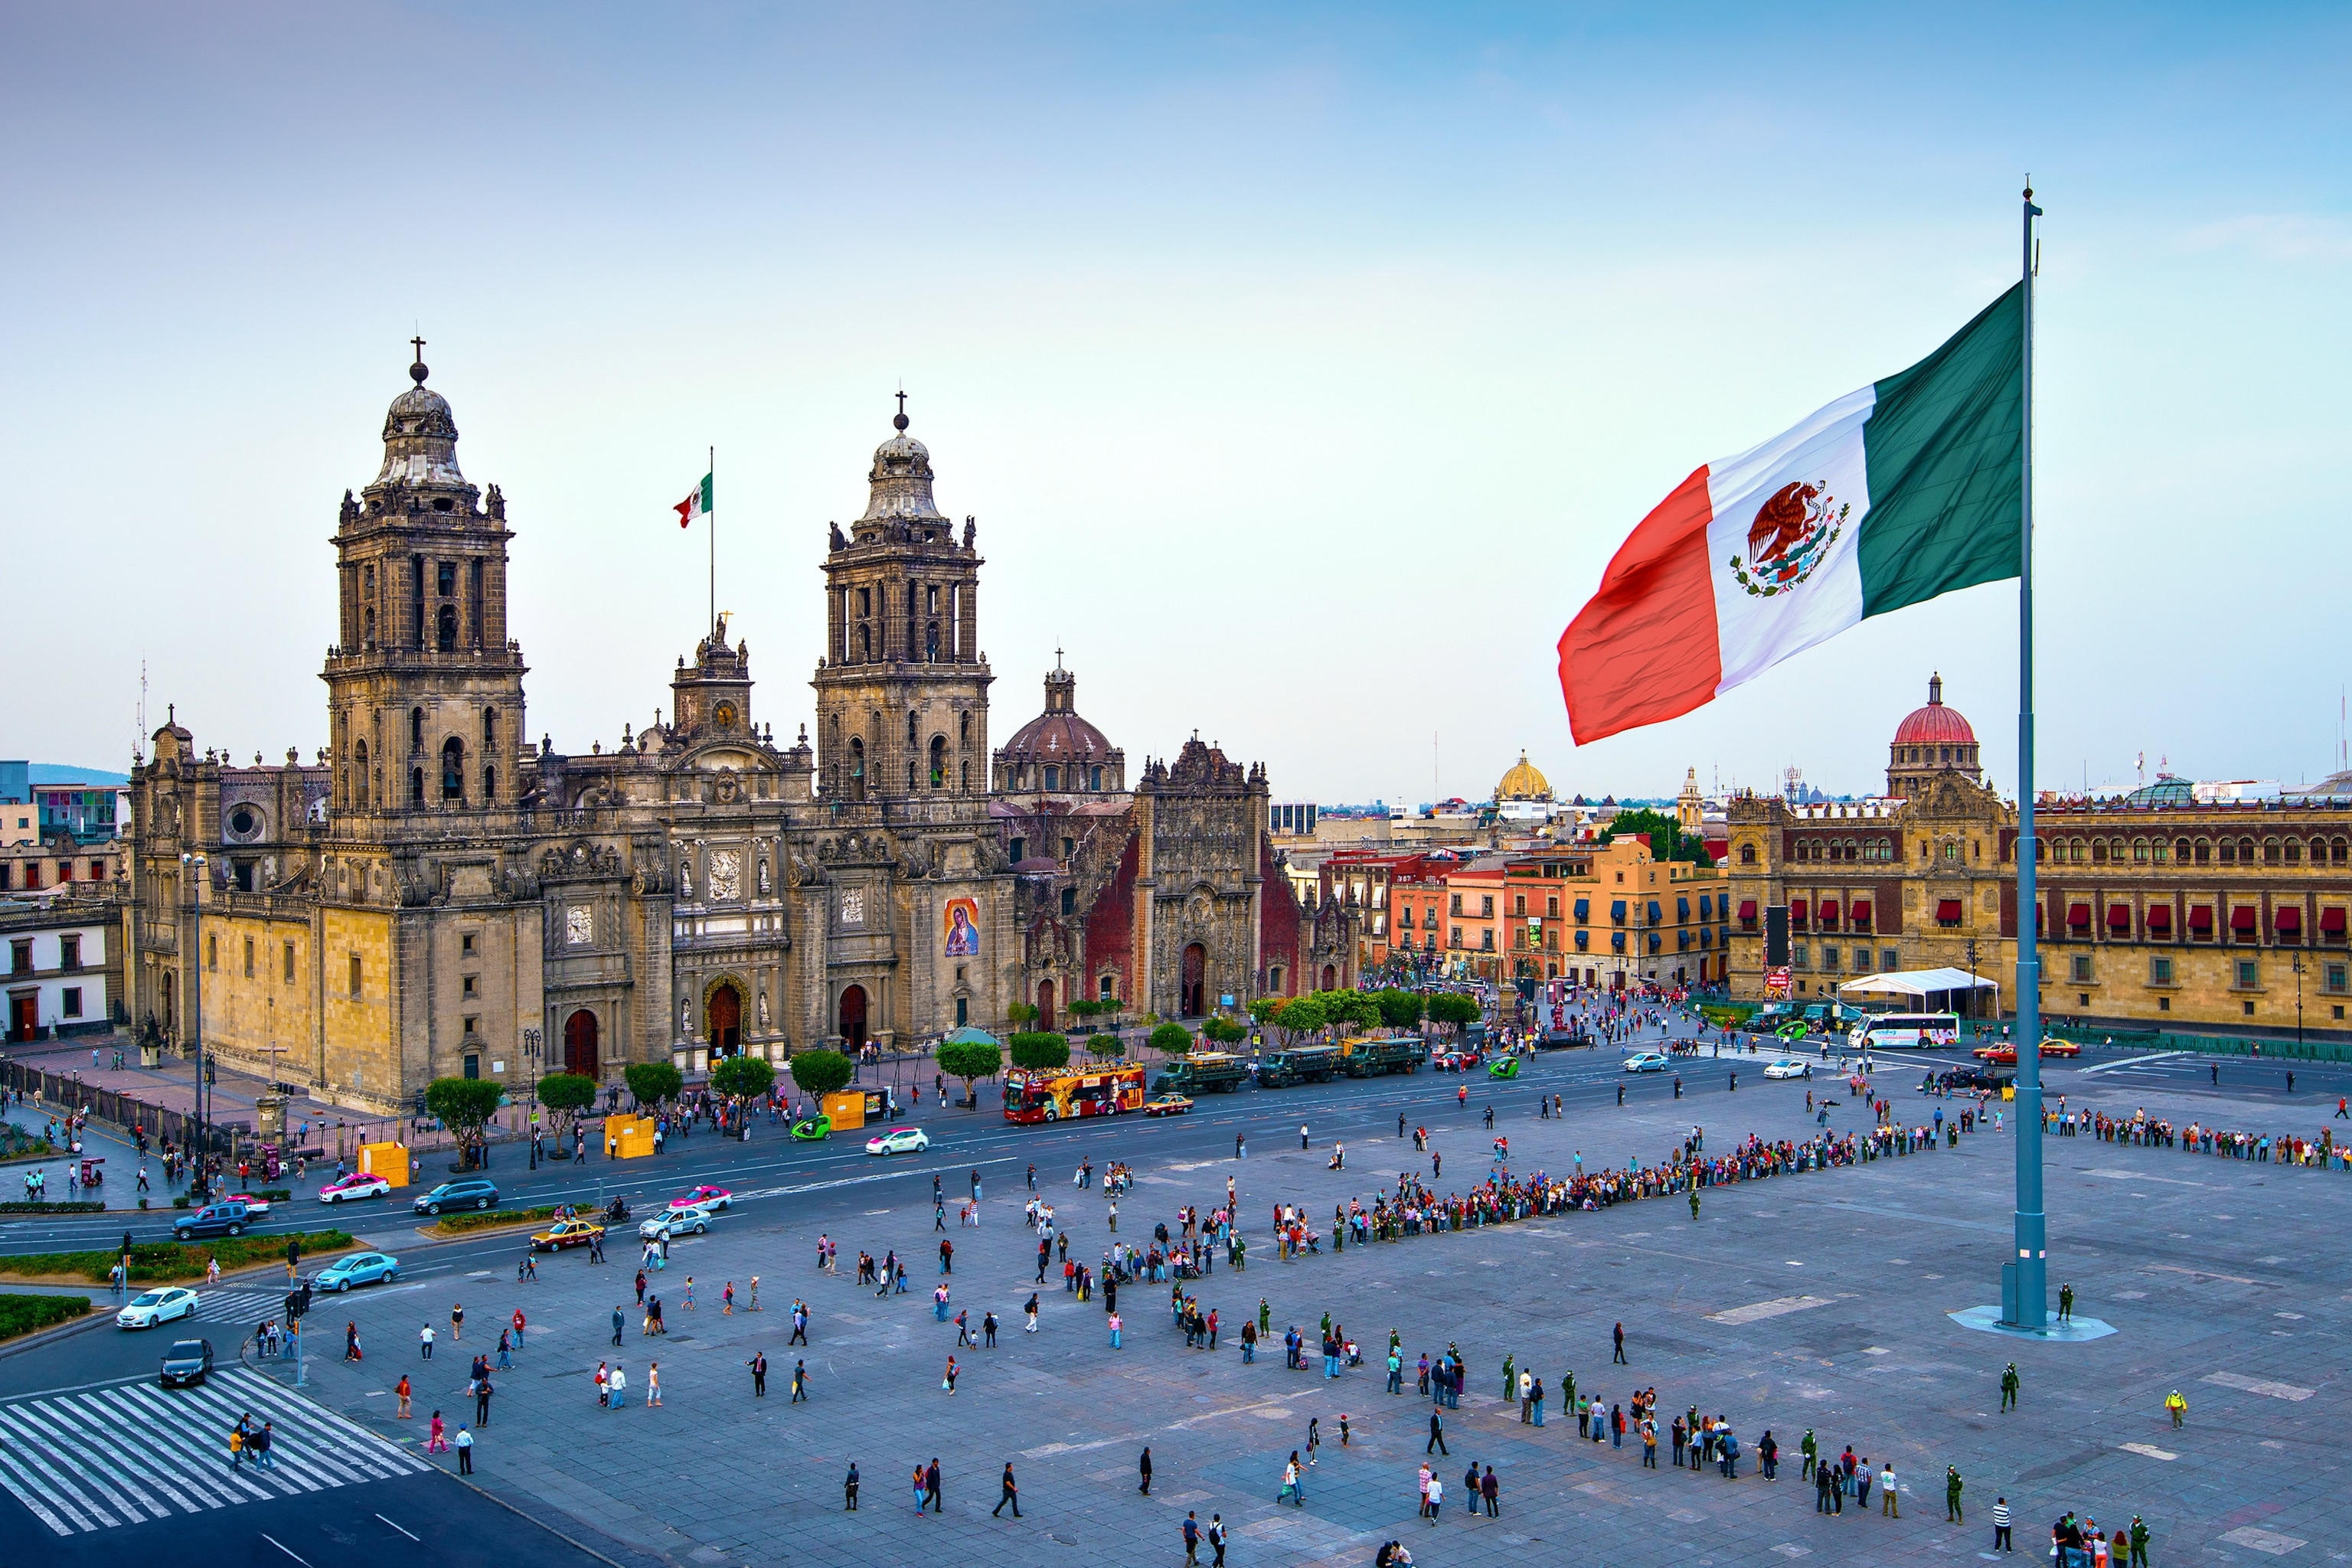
1906	1031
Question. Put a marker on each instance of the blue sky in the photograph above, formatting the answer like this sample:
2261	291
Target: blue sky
1303	371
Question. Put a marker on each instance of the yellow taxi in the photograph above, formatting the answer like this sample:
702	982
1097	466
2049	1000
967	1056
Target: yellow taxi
1166	1105
566	1233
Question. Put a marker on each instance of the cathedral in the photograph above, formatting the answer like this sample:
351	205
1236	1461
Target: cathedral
438	896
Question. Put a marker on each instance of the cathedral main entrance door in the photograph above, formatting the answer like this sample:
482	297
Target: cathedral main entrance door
853	1017
1191	1002
723	1021
580	1044
1046	1005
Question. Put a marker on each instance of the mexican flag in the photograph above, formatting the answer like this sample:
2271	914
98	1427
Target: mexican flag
696	505
1905	490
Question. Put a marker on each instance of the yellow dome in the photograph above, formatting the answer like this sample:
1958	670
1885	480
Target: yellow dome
1523	783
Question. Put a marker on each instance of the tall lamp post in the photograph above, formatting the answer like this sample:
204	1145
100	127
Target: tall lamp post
531	1051
194	869
2025	1299
2298	1004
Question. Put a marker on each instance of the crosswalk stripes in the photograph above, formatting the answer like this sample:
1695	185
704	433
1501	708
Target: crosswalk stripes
246	1307
130	1453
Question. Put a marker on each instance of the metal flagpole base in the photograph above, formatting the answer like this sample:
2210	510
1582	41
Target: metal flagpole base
1988	1320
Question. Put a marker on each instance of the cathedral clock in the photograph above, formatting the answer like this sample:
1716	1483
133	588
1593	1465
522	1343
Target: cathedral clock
724	714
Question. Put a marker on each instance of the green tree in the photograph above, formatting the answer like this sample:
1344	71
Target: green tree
819	1073
1224	1031
652	1082
1453	1007
1039	1051
1399	1009
1021	1012
1264	1008
569	1093
1356	1008
1084	1008
1105	1045
1301	1015
747	1076
1171	1040
1667	841
969	1060
465	1106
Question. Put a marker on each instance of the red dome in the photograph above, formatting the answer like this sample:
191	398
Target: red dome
1057	737
1935	725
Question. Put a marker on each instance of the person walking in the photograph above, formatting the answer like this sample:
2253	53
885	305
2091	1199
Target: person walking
1293	1483
401	1389
1217	1540
1619	1337
1144	1466
482	1392
949	1381
1032	1311
465	1452
425	1341
799	1383
617	1325
1008	1492
2009	1386
2177	1407
1436	1444
1437	1498
1490	1490
1191	1538
758	1366
457	1320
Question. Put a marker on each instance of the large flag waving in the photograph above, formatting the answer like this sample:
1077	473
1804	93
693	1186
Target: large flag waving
698	504
1905	490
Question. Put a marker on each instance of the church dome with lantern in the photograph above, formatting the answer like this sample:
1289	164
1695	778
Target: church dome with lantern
1931	740
1523	781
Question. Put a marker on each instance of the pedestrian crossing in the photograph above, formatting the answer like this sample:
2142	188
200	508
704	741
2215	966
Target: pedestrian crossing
132	1452
243	1307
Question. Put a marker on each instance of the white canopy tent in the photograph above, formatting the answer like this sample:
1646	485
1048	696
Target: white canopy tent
1937	990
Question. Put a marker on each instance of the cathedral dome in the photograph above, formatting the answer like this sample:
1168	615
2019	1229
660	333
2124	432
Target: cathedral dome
1935	725
1523	782
420	438
900	480
1059	740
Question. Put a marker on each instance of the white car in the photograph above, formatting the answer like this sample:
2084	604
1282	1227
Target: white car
1648	1061
153	1307
676	1221
358	1184
899	1140
1785	1068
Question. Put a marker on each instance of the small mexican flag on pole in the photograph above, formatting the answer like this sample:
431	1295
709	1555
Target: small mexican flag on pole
697	504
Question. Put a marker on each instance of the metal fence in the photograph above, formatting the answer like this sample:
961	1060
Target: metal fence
110	1105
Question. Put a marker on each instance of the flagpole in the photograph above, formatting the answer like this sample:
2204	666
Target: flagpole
710	526
2026	1288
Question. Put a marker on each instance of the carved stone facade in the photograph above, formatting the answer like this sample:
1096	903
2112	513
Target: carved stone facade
440	897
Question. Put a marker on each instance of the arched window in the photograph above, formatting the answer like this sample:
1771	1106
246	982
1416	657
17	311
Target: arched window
2229	852
1747	853
2336	849
370	620
2181	851
1095	784
415	729
360	781
938	762
910	775
444	629
1053	777
967	778
2098	851
453	770
865	643
489	728
911	727
2294	851
856	768
931	640
490	787
416	787
2245	851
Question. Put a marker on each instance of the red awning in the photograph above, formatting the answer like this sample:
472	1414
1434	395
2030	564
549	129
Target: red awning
2331	920
2201	917
1949	910
2119	917
1747	909
1829	911
2078	914
2159	917
1795	908
2243	918
2287	918
1861	912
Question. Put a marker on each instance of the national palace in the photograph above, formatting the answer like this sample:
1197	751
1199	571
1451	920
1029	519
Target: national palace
437	895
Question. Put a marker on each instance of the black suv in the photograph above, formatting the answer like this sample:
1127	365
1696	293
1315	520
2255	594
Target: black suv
470	1192
213	1219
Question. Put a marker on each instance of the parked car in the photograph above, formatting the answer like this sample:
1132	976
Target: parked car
150	1308
213	1219
358	1184
676	1221
899	1141
465	1193
358	1268
187	1363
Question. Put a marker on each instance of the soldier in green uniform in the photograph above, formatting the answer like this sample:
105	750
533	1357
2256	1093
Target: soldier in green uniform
2139	1543
2009	1388
1510	1379
1952	1495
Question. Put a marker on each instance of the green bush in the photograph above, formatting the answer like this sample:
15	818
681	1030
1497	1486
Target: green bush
1105	1046
749	1077
171	1262
820	1073
1171	1040
652	1082
1039	1051
969	1059
21	1206
24	1314
1224	1031
490	1219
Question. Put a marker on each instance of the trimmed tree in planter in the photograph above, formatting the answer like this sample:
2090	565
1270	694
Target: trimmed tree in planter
465	1106
819	1073
652	1082
1039	1051
969	1060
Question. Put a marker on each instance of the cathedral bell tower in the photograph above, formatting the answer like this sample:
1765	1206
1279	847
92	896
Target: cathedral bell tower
424	690
902	691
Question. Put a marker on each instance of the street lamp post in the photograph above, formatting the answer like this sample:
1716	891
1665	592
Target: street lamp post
193	871
531	1051
2298	1004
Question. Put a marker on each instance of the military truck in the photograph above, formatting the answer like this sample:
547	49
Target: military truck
1369	1056
1301	1064
1203	1072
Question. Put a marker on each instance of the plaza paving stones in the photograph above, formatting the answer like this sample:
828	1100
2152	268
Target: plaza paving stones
1817	1300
